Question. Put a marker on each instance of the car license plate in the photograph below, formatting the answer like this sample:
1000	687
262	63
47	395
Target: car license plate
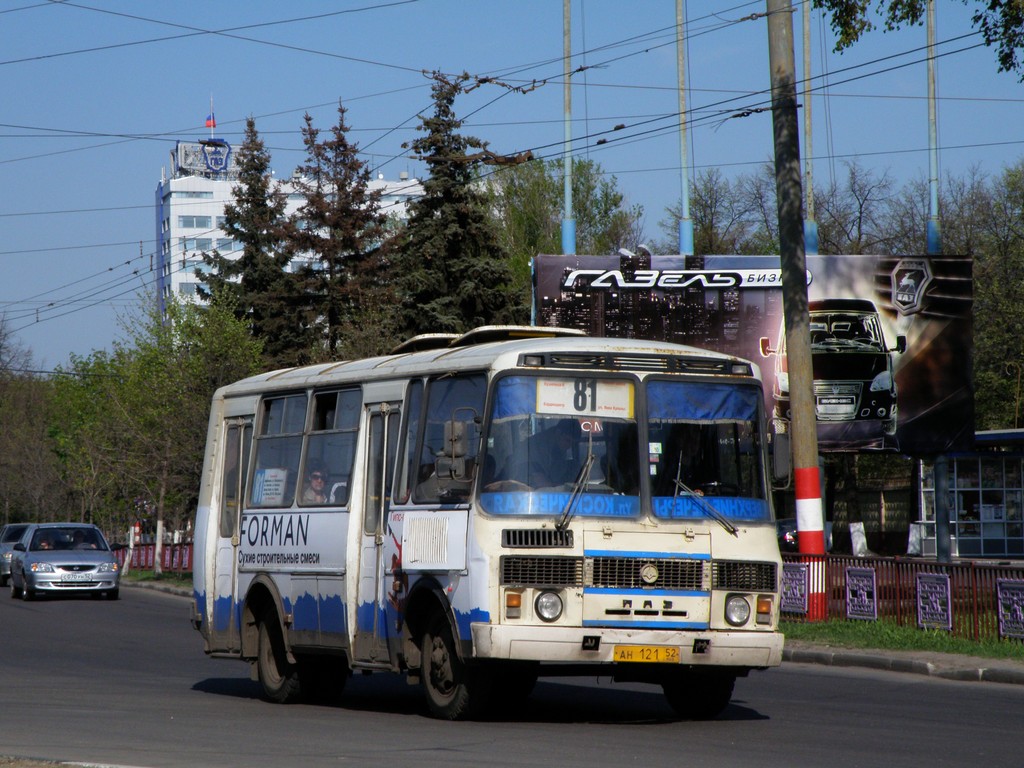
76	577
658	654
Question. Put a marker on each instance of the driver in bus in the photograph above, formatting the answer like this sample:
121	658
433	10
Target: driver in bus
552	454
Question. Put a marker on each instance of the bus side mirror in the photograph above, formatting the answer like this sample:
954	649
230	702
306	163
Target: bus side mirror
766	347
901	344
782	459
452	465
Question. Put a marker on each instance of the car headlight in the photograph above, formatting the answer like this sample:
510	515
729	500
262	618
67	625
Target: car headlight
41	568
882	382
548	606
737	610
7	556
108	568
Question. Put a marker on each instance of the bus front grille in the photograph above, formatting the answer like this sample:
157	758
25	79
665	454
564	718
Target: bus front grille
744	576
541	571
629	572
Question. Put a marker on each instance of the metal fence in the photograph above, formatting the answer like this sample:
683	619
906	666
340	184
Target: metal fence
979	600
173	557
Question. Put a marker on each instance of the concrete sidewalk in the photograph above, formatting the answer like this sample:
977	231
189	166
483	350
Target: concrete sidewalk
949	666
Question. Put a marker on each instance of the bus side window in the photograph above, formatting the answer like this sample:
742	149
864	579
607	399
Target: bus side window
278	449
410	464
449	398
331	445
235	468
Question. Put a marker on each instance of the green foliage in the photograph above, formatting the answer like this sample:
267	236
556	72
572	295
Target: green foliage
528	202
452	273
342	229
129	426
1001	23
265	296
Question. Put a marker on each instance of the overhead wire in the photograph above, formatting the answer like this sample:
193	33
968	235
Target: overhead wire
623	138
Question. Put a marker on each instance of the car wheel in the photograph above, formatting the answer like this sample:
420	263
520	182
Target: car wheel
27	594
454	691
113	594
15	591
279	678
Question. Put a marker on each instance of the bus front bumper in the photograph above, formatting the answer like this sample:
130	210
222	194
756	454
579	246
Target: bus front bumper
752	649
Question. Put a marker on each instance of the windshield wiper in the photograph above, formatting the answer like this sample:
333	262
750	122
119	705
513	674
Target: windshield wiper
706	507
582	478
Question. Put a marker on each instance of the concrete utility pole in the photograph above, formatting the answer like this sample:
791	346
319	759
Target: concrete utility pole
685	222
568	222
803	428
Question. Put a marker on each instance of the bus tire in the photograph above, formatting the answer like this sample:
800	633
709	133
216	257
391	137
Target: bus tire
279	677
699	695
453	690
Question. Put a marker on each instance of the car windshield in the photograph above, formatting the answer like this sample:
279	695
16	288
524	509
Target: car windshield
850	330
69	538
12	533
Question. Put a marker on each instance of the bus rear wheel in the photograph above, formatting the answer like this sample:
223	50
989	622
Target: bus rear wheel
699	695
279	677
454	691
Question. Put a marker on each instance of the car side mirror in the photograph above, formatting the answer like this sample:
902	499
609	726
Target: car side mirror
20	547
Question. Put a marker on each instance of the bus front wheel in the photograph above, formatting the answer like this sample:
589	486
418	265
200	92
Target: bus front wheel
279	678
454	691
698	695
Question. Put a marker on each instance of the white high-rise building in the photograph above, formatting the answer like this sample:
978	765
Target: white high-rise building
190	211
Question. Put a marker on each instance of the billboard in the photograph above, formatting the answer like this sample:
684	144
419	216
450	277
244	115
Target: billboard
891	336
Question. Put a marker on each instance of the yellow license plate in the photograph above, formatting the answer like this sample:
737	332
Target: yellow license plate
657	654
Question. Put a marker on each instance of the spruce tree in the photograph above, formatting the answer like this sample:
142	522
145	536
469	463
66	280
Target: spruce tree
452	272
265	295
341	229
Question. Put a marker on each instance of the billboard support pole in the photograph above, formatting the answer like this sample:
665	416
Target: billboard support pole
810	525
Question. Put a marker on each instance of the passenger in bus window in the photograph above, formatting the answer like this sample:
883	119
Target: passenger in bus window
316	483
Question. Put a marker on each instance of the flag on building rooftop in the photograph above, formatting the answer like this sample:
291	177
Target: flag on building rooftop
211	121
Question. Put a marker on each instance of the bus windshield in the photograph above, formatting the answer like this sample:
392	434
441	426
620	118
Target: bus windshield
560	441
704	448
552	437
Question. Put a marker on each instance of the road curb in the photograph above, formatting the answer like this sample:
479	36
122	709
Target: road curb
845	658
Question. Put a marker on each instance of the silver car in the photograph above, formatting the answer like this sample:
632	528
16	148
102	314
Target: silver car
9	536
61	558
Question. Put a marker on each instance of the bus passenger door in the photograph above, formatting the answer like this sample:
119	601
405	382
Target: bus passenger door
382	443
225	634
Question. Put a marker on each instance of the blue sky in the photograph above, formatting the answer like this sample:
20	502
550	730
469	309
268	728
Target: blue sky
96	93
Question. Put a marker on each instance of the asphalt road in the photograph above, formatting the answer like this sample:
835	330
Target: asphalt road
126	683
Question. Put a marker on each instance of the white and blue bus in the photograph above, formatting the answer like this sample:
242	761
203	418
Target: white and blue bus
476	511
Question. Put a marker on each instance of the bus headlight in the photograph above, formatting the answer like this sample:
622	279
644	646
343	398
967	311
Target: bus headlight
737	610
548	606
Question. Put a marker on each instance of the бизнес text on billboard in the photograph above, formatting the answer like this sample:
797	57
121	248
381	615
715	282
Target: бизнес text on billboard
891	336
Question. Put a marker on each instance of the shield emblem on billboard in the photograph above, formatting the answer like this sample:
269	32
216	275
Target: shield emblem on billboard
910	280
216	155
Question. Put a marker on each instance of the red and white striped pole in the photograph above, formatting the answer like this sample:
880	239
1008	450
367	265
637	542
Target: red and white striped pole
811	536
